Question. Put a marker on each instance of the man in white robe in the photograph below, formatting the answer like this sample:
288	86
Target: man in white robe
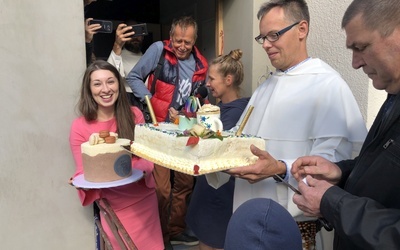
307	111
304	108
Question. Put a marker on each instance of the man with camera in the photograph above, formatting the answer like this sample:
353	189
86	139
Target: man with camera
126	52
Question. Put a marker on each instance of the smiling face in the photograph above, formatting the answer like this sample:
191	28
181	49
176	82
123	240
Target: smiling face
183	40
104	87
290	48
378	56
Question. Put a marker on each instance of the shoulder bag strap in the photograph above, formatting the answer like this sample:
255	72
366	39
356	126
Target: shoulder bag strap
157	71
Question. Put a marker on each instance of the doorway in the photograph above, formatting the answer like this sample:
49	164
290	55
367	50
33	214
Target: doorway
158	15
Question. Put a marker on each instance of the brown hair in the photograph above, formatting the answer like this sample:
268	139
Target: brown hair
231	65
88	107
295	10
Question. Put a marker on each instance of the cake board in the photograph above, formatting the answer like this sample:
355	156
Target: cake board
186	166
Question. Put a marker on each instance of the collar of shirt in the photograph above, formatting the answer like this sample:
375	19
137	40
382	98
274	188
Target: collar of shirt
294	66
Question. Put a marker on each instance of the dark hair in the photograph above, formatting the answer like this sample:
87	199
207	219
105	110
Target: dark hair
295	10
380	15
130	22
88	107
184	22
231	65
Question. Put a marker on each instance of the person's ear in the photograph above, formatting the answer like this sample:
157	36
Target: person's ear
303	29
228	80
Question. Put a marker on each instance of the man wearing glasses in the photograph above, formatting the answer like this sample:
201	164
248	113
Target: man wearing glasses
303	108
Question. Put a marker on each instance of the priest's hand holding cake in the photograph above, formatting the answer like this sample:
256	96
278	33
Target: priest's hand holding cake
265	167
107	123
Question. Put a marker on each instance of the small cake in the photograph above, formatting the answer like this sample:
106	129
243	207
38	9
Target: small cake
105	159
208	115
208	109
199	153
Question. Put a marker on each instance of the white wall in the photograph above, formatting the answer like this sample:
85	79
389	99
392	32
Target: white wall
239	29
328	41
42	61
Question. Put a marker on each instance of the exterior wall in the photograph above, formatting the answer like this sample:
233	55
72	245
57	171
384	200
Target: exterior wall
240	25
42	62
328	41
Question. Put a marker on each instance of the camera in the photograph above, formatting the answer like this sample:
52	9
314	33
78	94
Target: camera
139	29
106	26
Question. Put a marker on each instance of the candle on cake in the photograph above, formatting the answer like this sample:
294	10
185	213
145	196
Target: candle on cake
153	116
245	119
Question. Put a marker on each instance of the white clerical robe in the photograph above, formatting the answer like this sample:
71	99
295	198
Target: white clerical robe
309	110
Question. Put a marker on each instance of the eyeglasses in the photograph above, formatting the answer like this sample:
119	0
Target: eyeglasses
273	37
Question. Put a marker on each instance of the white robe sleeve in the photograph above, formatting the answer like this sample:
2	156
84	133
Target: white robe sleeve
217	179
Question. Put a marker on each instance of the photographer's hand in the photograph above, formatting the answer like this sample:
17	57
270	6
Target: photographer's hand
90	30
265	167
122	35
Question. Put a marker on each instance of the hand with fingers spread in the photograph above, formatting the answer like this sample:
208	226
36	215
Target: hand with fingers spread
266	166
310	199
317	167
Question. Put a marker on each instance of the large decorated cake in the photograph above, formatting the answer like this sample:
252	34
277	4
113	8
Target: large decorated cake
105	159
194	152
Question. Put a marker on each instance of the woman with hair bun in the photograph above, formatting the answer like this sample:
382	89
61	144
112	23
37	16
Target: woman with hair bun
210	209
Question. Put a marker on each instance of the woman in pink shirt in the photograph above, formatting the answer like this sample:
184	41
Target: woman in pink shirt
104	106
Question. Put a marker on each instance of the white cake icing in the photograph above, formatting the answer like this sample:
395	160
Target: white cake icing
208	109
165	145
93	150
